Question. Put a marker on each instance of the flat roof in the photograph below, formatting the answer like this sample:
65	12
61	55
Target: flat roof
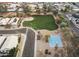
10	42
2	38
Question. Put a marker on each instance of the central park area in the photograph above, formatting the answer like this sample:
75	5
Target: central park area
41	22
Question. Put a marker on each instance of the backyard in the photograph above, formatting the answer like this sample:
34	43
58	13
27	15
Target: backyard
41	22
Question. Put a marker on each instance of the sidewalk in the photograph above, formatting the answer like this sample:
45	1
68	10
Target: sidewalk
21	45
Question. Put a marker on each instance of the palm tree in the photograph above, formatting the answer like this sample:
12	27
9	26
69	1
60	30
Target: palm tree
45	8
46	38
55	12
17	11
5	8
49	8
19	39
37	9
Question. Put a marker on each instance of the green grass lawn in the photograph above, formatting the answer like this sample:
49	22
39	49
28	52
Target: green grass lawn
42	22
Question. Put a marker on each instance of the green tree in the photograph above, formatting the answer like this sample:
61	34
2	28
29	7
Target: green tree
13	52
3	7
68	8
37	9
55	12
8	26
26	8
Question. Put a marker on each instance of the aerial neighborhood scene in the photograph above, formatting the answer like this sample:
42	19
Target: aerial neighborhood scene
39	29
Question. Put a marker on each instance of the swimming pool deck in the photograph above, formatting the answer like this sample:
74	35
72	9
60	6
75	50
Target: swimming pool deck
42	45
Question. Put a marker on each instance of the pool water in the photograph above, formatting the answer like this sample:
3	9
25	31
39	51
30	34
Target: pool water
55	40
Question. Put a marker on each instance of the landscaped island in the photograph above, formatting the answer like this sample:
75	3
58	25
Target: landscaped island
42	22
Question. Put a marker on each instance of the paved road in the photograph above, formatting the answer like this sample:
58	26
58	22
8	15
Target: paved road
29	44
13	31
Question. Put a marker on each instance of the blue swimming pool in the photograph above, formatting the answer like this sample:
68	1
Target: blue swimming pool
55	40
